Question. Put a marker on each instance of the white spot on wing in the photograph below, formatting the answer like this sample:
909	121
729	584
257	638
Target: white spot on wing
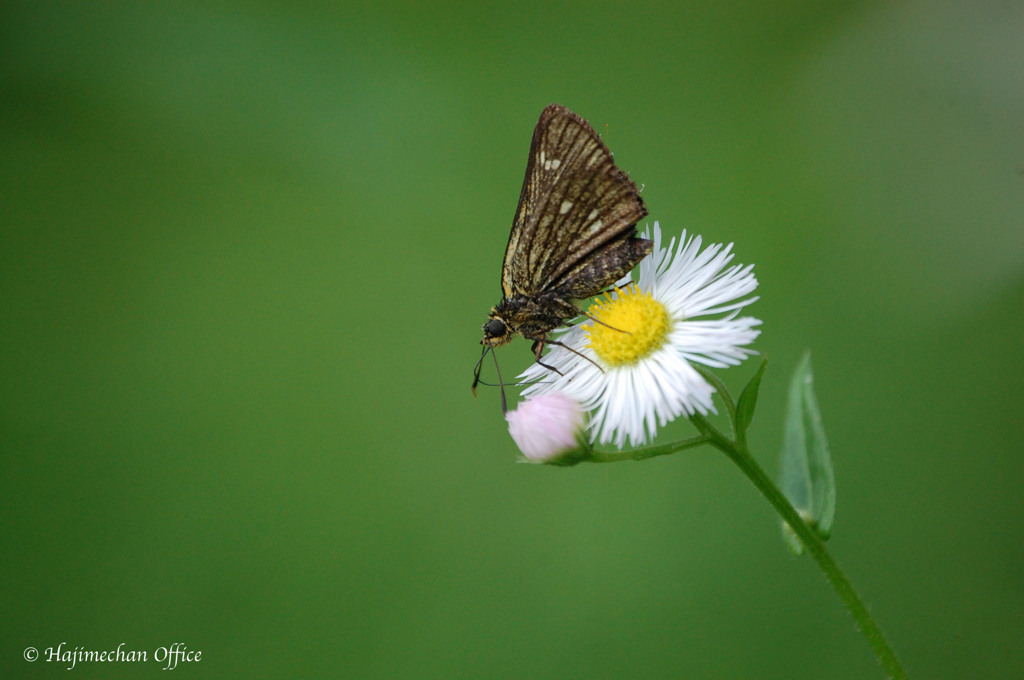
566	207
593	214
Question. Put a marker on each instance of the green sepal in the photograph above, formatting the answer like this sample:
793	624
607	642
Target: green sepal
807	476
575	456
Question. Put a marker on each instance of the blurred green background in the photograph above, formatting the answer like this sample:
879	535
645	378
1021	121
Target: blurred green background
245	252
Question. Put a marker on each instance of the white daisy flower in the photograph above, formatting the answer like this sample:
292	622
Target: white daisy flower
646	337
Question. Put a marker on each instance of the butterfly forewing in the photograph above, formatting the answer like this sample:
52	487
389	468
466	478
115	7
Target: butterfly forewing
574	233
574	201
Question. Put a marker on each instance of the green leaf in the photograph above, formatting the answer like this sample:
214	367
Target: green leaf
748	400
807	477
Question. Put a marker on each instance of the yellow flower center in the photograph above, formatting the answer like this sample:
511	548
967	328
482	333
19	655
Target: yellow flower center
628	327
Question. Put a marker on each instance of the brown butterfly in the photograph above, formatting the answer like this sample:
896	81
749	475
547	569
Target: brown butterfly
573	236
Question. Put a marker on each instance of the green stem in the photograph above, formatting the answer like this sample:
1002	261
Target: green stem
811	541
592	456
720	388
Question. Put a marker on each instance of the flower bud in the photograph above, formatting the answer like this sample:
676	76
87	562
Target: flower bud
547	427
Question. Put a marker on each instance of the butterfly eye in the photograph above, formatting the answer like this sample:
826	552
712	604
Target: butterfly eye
495	328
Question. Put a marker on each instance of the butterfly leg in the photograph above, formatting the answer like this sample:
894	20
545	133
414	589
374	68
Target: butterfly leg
596	320
537	347
563	346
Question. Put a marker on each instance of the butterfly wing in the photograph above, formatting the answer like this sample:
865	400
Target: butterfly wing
574	201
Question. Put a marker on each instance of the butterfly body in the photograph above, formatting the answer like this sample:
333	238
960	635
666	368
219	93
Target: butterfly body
574	233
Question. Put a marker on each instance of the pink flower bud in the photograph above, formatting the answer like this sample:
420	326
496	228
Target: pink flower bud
546	427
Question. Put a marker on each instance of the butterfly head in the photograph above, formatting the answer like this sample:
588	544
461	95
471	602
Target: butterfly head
496	331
